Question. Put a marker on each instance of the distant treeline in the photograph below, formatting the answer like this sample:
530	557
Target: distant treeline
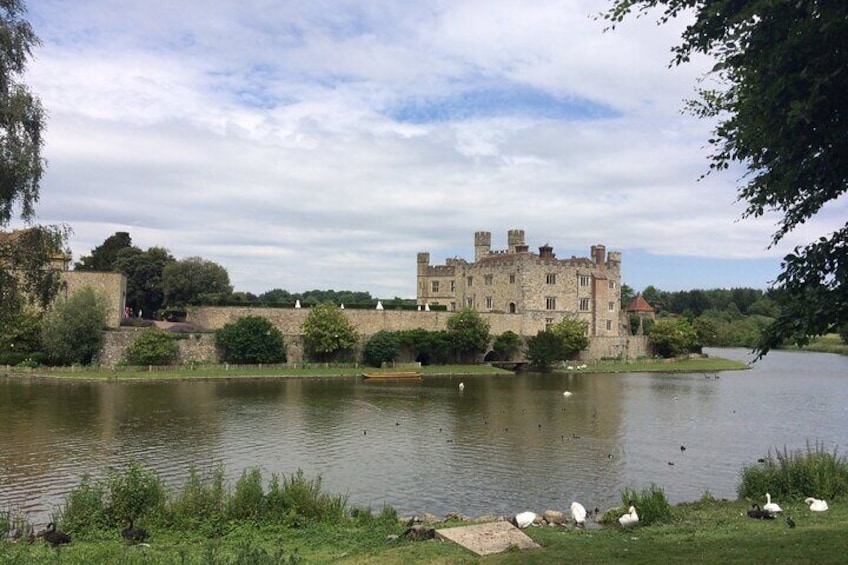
280	297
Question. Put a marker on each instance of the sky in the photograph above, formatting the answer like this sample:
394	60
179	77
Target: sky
323	144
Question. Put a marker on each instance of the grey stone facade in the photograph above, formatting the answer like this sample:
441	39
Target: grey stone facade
536	286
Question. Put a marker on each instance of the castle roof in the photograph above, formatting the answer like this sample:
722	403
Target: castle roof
638	304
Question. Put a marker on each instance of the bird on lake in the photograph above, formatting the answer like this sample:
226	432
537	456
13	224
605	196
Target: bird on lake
578	512
629	519
53	537
790	522
816	504
461	386
567	393
759	514
523	519
770	506
133	535
682	448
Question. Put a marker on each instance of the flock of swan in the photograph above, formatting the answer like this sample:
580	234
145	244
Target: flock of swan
770	510
58	538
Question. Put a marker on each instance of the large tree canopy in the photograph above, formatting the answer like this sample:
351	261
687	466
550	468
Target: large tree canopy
781	111
21	116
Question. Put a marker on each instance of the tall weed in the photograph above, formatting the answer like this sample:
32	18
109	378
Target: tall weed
651	504
796	475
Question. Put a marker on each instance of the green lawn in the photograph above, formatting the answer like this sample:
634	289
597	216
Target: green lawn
710	532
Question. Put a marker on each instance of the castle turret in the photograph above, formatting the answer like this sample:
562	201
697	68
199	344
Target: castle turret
599	254
482	244
423	263
515	238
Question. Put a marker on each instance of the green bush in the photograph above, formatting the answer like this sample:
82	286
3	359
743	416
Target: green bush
672	336
248	500
506	345
327	333
651	505
152	347
135	492
382	347
468	334
543	350
85	507
251	340
796	475
200	505
72	332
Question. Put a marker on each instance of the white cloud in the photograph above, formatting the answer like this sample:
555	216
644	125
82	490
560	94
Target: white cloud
323	144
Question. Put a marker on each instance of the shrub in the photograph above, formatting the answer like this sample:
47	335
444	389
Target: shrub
72	332
134	492
152	347
672	336
383	347
248	501
651	504
327	333
507	344
302	500
468	333
251	340
201	503
85	507
796	475
543	350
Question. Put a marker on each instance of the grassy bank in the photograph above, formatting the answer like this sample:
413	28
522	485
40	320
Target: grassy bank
830	343
710	365
703	532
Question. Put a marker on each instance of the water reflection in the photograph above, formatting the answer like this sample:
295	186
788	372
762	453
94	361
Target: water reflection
504	443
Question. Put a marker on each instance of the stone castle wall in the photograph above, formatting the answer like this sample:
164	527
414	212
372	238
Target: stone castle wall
112	286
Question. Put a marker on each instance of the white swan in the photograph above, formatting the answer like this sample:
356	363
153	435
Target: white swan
567	393
770	506
629	519
524	519
578	512
816	505
461	386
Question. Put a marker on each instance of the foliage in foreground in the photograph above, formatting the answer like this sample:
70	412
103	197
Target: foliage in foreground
796	475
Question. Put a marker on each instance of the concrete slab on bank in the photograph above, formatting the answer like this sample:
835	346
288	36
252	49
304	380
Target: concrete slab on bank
488	538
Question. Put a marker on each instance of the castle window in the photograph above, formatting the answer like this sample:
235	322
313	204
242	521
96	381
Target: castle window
611	306
469	302
512	308
487	280
550	303
550	278
489	303
612	284
470	281
435	286
609	325
453	306
584	280
584	305
453	286
511	278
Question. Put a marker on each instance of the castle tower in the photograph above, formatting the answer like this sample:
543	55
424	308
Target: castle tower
515	239
599	254
482	244
423	263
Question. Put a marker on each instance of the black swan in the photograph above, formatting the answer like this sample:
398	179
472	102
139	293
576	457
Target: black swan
53	537
759	514
133	535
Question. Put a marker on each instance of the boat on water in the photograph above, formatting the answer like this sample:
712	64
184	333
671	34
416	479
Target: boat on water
392	375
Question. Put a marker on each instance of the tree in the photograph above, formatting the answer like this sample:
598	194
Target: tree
506	345
544	349
251	340
382	347
152	347
327	333
22	118
144	271
781	112
672	336
572	332
468	333
104	256
195	281
72	332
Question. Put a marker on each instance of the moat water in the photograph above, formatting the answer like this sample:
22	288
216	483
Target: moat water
504	444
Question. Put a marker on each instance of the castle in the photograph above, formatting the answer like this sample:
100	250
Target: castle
538	287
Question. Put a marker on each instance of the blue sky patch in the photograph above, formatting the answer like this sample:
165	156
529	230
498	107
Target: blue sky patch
516	101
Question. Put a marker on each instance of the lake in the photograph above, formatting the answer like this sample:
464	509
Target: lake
503	444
